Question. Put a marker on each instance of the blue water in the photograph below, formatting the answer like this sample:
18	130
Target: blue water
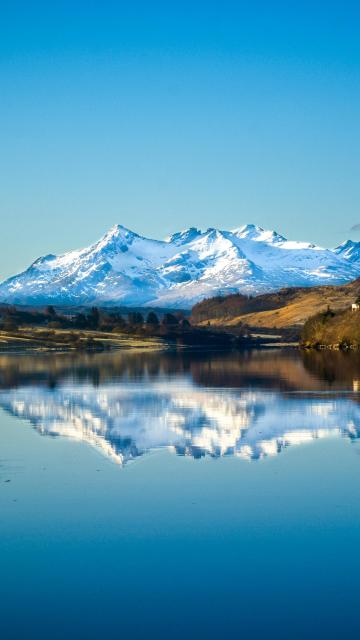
169	497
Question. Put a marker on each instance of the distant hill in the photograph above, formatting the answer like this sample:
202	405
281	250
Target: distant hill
287	308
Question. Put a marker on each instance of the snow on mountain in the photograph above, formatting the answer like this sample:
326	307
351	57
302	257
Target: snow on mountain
349	250
126	268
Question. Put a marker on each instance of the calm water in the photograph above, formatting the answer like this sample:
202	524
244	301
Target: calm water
166	496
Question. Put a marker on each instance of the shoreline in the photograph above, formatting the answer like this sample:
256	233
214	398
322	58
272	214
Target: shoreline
63	341
40	340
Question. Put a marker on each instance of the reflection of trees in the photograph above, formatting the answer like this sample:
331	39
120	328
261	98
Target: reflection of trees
278	370
96	368
335	368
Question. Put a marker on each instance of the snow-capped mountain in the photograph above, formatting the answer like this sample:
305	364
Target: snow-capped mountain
126	268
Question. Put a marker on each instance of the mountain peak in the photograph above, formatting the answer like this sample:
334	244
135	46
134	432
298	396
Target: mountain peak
255	232
350	249
126	268
118	235
184	236
346	244
248	229
43	260
118	230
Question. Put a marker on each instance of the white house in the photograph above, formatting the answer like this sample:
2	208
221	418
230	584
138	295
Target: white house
355	306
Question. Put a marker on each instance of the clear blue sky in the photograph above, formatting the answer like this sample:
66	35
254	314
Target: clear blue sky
163	115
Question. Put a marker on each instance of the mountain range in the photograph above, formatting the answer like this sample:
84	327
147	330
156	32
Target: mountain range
128	269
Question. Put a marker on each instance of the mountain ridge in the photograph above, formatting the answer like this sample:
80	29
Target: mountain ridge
126	268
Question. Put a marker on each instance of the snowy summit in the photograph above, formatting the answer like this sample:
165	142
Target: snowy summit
126	268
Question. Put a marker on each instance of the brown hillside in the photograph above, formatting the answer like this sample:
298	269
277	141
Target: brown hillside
284	309
332	329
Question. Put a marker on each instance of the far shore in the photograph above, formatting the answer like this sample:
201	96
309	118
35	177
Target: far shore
40	339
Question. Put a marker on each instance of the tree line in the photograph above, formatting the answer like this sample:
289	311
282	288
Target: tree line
11	317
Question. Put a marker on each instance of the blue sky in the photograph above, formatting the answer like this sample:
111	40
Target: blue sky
164	115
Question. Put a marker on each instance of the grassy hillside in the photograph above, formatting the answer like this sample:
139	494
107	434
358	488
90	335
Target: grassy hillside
333	329
287	308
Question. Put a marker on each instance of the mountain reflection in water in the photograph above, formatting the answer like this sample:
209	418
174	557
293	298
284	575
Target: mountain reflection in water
126	404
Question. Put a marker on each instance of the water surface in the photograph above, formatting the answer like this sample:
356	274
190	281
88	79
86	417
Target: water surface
166	495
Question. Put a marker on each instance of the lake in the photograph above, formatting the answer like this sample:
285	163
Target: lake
171	495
